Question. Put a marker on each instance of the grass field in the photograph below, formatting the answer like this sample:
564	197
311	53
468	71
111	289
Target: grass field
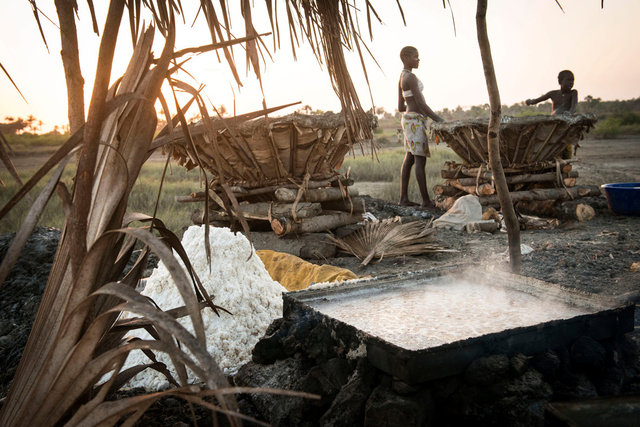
178	182
386	171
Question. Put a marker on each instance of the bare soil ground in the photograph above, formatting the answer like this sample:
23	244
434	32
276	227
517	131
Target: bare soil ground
595	256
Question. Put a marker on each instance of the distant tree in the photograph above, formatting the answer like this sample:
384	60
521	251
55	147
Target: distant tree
18	125
306	109
591	103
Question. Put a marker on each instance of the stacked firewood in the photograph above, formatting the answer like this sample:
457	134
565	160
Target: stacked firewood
315	206
539	182
544	188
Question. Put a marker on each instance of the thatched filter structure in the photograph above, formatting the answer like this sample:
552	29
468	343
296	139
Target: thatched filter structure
539	181
267	151
523	140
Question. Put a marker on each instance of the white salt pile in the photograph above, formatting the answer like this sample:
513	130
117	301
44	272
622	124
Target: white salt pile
236	282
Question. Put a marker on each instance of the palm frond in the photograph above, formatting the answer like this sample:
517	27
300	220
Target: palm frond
389	239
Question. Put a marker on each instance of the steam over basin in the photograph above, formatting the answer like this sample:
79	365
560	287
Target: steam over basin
431	324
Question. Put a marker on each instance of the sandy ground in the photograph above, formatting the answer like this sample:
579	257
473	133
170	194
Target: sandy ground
609	160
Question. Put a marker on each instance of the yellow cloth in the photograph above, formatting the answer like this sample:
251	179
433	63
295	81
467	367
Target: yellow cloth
295	273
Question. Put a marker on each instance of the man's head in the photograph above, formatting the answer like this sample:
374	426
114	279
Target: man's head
409	56
565	79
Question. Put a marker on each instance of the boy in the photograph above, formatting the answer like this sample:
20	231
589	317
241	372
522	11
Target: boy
563	100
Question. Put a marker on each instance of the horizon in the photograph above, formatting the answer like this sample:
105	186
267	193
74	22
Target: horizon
599	45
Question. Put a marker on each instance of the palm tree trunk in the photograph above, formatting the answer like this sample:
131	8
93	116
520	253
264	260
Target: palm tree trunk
493	140
71	62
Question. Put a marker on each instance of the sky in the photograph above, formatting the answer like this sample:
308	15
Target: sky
531	41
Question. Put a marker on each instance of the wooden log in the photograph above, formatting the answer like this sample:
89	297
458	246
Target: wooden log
313	195
260	210
240	192
445	202
357	205
446	190
524	176
457	170
285	226
481	189
545	194
568	209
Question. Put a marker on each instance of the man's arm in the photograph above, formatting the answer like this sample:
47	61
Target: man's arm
539	99
427	111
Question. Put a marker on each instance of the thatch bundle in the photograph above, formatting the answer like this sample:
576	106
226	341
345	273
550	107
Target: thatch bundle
266	151
523	140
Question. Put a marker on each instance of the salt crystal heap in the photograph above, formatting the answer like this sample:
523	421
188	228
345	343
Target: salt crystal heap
238	282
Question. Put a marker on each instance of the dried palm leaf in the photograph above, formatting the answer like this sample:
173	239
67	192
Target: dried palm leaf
390	239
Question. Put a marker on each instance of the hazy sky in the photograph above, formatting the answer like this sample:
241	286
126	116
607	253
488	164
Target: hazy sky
531	41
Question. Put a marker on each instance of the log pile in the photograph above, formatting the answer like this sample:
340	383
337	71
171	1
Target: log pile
543	188
539	181
289	208
273	172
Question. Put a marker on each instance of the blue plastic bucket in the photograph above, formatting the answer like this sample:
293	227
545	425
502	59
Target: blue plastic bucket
623	198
